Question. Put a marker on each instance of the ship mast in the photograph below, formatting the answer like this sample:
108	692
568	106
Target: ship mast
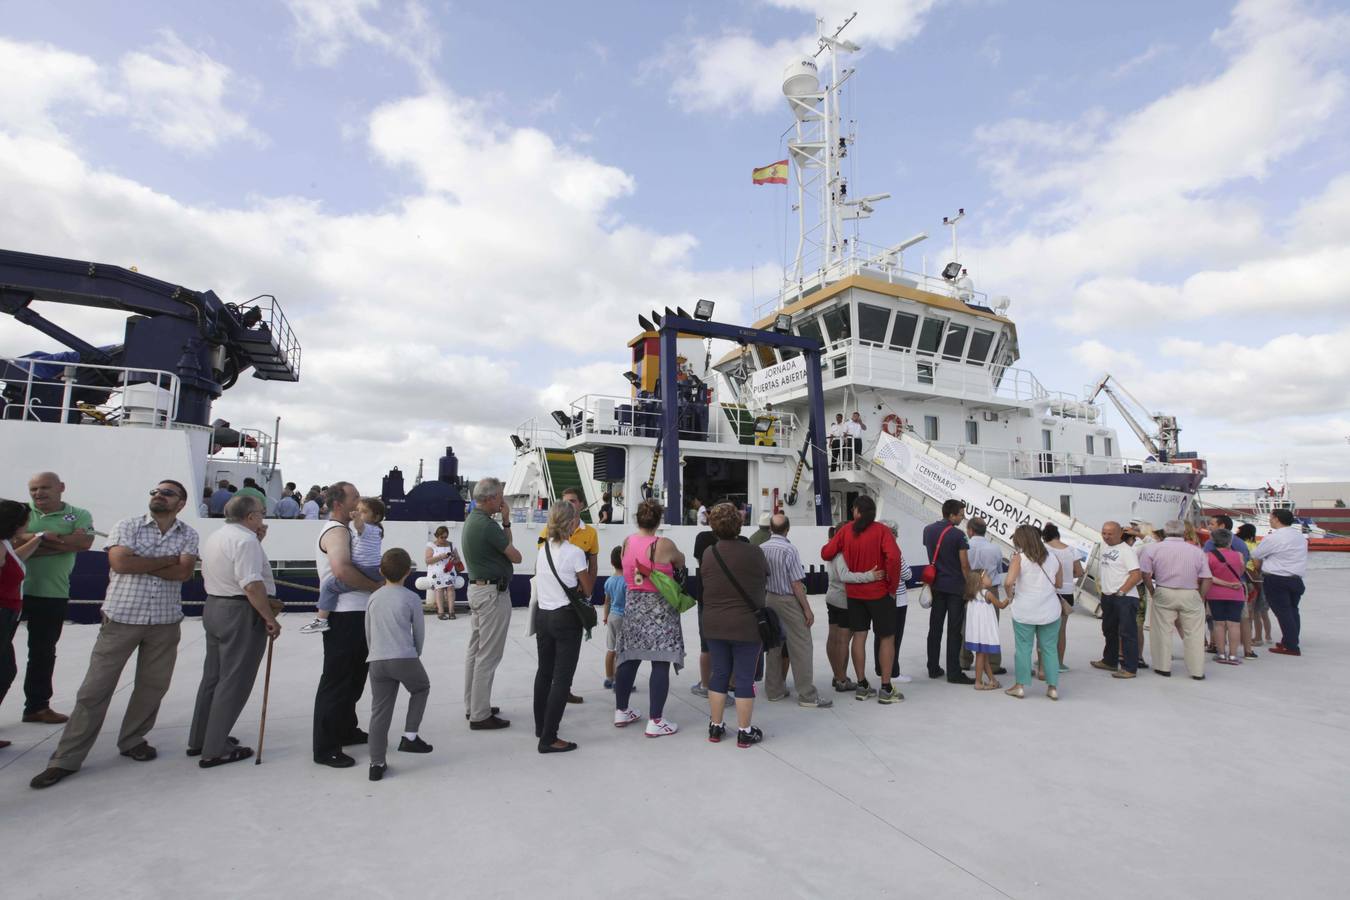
815	149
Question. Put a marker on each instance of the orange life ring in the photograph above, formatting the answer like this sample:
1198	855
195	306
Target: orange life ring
893	425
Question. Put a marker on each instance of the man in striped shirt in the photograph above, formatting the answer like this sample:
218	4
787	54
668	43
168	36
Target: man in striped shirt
787	597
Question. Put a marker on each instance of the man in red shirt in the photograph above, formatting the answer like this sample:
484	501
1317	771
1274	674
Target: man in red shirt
866	545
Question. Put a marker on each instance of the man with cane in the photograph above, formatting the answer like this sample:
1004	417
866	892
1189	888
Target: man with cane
239	617
149	558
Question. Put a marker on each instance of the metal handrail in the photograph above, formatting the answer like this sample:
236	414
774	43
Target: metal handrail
23	405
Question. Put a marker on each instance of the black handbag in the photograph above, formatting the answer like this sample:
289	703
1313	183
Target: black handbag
576	598
770	626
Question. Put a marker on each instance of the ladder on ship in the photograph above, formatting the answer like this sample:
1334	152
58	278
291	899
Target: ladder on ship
921	479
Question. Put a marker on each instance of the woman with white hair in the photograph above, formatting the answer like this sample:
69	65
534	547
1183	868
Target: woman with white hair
560	569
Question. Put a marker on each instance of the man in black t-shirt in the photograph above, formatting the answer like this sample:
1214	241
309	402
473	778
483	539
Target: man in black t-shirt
948	590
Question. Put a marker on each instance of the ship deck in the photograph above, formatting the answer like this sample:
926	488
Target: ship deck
1157	787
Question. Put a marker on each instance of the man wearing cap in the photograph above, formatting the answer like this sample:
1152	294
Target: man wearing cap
66	530
762	533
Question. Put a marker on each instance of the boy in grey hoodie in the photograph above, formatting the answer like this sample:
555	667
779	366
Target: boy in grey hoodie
394	631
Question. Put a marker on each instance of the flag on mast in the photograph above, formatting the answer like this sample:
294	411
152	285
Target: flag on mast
774	173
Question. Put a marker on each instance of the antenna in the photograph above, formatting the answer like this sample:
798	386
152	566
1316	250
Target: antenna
950	221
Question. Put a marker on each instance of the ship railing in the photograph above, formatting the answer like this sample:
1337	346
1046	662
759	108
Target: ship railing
39	390
872	262
252	446
932	373
1003	463
603	415
531	435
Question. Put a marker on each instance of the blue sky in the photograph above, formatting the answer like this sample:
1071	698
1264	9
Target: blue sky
1162	188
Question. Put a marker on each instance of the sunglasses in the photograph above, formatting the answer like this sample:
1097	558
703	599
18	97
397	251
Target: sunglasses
163	493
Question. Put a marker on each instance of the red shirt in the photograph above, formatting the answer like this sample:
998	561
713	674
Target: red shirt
11	579
875	548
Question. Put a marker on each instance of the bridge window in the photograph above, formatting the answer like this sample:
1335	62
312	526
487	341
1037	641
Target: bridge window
872	321
810	328
930	428
930	336
979	347
956	342
902	332
925	373
837	323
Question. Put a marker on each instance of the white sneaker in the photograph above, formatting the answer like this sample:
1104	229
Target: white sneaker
902	678
624	717
661	727
315	627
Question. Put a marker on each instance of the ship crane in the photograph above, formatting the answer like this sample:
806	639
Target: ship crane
1163	445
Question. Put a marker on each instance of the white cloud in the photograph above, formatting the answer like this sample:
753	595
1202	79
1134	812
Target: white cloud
39	83
178	96
502	285
1141	59
735	70
326	29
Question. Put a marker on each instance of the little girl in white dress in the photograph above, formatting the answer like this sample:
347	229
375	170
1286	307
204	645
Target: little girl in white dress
982	626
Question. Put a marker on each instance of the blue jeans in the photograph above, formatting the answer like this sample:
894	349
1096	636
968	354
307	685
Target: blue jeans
1118	628
733	658
1027	635
1283	592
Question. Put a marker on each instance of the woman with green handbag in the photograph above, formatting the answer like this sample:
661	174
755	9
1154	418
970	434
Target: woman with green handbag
651	625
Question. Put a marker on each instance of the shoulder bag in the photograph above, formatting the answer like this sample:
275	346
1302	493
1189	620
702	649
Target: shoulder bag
929	574
576	598
770	626
1219	557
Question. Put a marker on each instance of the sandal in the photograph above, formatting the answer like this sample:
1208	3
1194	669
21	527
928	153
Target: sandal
985	686
995	685
236	754
442	616
1016	691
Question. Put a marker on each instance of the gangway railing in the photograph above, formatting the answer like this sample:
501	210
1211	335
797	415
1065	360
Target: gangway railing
927	477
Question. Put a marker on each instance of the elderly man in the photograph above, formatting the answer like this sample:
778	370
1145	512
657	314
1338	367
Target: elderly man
1118	576
222	494
344	643
149	558
1282	560
1178	577
66	530
238	618
787	597
984	554
489	554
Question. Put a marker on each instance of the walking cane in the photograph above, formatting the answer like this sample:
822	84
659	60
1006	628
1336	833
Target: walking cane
267	684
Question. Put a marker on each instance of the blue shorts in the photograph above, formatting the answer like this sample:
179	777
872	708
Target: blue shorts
1226	610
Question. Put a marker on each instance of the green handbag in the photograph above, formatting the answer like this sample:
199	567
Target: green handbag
667	587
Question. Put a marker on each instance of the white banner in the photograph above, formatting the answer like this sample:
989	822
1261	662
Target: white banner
942	483
782	377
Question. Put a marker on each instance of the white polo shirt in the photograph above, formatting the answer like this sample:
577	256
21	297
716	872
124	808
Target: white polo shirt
232	559
1283	552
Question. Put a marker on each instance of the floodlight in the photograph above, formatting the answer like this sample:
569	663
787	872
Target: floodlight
633	378
644	324
656	317
517	442
679	310
703	310
563	419
782	323
951	271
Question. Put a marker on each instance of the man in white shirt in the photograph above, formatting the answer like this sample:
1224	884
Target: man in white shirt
1282	560
238	617
854	430
838	429
1118	576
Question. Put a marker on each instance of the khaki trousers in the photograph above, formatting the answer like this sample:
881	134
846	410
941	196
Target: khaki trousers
1170	606
491	612
800	652
156	649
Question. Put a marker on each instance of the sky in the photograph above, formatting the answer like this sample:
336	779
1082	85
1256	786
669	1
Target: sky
463	206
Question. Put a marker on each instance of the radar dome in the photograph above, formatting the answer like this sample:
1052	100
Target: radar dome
800	80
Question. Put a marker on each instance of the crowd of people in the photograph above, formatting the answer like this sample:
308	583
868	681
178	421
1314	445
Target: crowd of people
755	621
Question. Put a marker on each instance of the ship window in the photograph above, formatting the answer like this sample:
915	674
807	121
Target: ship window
956	342
788	353
972	432
766	357
839	365
930	428
1045	439
810	328
902	332
979	347
1089	445
837	323
925	373
872	321
1106	442
1066	504
931	334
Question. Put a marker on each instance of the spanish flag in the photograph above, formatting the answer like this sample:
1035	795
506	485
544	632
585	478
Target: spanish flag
774	173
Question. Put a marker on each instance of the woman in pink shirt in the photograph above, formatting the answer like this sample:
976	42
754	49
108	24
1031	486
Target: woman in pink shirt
1226	596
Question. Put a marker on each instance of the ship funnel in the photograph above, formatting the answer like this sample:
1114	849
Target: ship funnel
801	86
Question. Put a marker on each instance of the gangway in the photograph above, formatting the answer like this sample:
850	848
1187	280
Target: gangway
925	478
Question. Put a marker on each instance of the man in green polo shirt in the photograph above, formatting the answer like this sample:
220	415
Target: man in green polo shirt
489	555
66	530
